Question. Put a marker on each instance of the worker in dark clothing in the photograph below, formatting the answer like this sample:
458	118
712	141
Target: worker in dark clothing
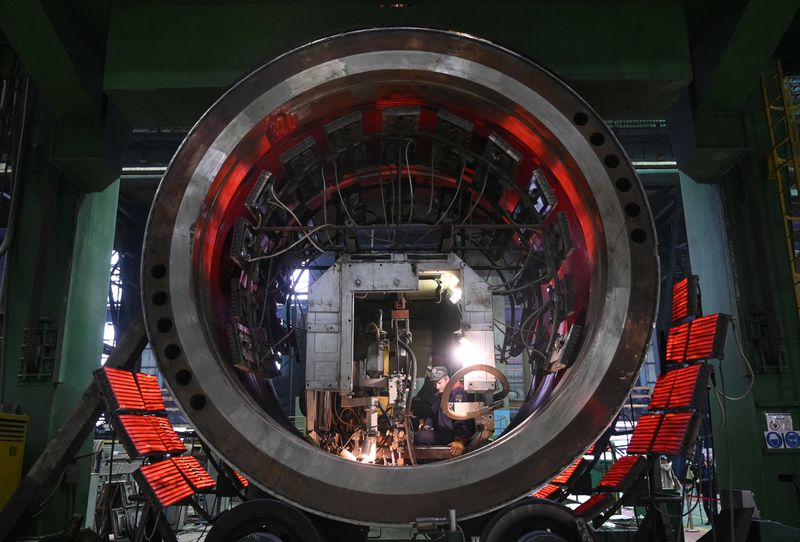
440	429
421	408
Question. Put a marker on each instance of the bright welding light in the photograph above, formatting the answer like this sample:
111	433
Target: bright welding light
449	281
467	353
347	454
369	450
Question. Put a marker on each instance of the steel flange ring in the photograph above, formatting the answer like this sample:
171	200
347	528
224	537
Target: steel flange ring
614	258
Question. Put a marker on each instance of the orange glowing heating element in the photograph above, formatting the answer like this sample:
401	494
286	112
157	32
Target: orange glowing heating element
685	299
702	338
644	434
623	473
121	389
242	480
548	492
147	435
165	482
595	506
671	434
707	337
676	343
567	474
194	472
677	433
681	389
150	392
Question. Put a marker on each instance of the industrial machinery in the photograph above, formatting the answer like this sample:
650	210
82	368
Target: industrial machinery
377	203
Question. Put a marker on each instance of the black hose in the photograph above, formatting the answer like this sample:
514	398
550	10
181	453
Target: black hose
407	413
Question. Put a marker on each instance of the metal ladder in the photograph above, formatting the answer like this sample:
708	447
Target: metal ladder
783	112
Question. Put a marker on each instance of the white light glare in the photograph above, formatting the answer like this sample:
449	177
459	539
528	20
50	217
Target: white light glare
347	454
449	282
467	353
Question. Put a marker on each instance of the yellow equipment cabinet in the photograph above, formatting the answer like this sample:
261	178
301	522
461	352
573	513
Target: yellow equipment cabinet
13	430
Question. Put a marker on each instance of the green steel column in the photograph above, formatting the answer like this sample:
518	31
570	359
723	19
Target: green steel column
59	262
737	247
82	331
765	301
739	458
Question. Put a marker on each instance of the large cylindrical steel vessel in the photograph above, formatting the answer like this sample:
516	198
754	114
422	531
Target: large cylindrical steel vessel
292	105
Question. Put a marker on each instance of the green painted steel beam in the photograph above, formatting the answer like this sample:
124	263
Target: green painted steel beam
90	152
55	287
706	127
66	71
757	34
36	268
82	334
166	63
711	261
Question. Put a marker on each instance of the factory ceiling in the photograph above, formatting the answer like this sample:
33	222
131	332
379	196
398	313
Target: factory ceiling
103	69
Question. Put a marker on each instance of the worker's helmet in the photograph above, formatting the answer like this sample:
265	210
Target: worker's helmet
438	373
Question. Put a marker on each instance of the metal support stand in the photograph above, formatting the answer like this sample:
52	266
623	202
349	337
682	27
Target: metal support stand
154	526
44	475
656	526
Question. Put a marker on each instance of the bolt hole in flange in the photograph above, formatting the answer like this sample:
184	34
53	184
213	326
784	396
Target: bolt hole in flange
597	139
164	325
456	180
198	402
183	377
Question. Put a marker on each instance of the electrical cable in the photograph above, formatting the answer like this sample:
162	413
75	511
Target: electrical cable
519	272
728	452
532	319
433	191
477	200
155	525
383	201
110	479
410	183
523	287
723	412
749	389
407	413
651	498
290	247
455	196
324	199
556	317
299	223
339	191
49	497
266	295
447	210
